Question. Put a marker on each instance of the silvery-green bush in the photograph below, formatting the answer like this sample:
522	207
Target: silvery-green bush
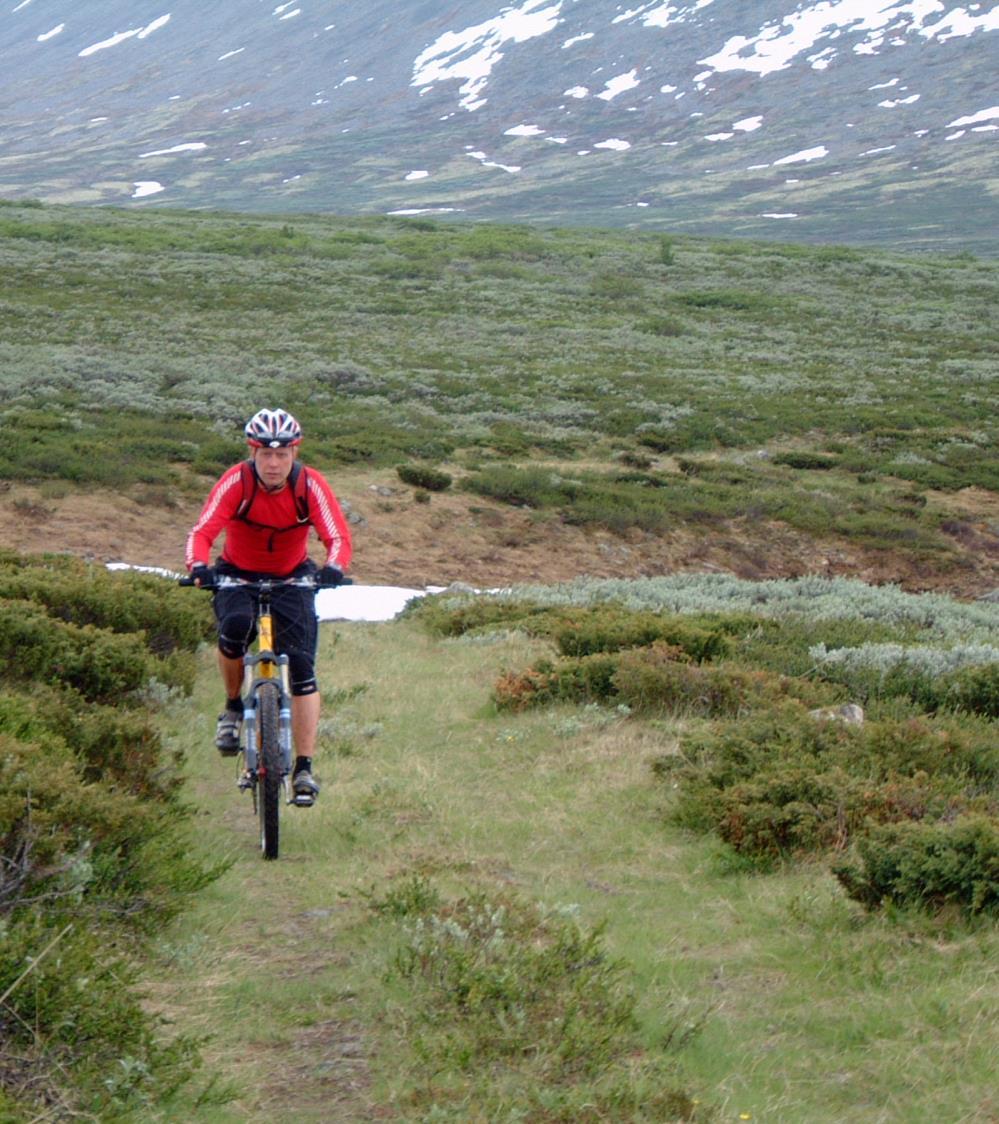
935	617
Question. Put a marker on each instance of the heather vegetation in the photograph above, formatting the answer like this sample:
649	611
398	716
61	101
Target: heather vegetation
827	388
903	805
94	844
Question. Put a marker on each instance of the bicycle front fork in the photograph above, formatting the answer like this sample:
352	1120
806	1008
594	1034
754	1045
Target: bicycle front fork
251	682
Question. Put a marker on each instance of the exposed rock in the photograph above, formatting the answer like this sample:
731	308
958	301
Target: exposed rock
850	713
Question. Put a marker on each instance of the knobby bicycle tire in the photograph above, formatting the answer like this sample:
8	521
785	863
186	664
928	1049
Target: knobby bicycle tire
269	784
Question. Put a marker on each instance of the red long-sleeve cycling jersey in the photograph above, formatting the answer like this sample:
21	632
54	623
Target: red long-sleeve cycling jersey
268	538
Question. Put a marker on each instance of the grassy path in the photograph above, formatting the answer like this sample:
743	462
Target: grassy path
770	998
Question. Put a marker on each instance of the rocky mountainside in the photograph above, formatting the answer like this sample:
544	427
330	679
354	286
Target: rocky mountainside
837	120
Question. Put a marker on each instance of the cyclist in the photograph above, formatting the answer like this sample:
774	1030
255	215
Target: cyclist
266	506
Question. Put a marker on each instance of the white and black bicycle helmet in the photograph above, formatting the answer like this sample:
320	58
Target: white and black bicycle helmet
273	429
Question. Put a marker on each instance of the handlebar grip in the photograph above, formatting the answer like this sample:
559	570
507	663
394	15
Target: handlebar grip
185	581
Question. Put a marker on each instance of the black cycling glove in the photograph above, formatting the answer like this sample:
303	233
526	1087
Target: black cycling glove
329	576
203	575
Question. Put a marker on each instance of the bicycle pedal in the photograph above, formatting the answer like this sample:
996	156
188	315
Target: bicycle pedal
303	800
244	783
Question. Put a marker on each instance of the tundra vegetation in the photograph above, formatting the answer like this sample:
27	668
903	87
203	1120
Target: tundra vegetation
94	838
605	850
843	392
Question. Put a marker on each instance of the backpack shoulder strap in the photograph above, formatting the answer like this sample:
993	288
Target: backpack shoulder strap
299	481
249	481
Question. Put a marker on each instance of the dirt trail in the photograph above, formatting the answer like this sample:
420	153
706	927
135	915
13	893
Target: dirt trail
461	537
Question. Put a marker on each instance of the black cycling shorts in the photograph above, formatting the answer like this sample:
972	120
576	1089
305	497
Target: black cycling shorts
296	630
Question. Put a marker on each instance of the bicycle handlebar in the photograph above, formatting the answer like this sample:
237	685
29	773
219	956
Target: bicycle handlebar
306	581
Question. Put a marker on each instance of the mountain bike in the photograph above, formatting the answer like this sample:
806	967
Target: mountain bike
265	759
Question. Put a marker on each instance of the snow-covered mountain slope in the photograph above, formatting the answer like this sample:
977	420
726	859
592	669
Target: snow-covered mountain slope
848	120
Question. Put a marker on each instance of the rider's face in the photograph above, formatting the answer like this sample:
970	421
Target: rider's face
274	465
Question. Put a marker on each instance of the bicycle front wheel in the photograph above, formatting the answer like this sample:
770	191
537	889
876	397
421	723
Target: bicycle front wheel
269	768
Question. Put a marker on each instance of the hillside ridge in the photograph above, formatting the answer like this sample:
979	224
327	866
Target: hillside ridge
460	538
848	121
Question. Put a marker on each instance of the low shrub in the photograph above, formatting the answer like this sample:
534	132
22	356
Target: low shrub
580	630
587	679
123	602
81	1001
103	666
423	476
94	847
611	628
113	746
975	689
781	783
453	615
788	810
801	459
508	986
659	679
932	866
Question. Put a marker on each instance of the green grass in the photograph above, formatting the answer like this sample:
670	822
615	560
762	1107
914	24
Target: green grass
158	333
768	997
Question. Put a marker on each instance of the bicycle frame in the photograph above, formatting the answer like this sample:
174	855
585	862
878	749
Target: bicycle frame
264	666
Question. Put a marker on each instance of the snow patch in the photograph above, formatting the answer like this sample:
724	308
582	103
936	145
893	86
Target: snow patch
577	39
229	54
576	92
889	103
487	163
49	34
664	14
974	118
425	211
194	146
523	131
614	143
719	136
778	42
471	54
779	215
366	602
121	36
803	157
146	187
619	85
958	23
748	124
420	174
154	26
